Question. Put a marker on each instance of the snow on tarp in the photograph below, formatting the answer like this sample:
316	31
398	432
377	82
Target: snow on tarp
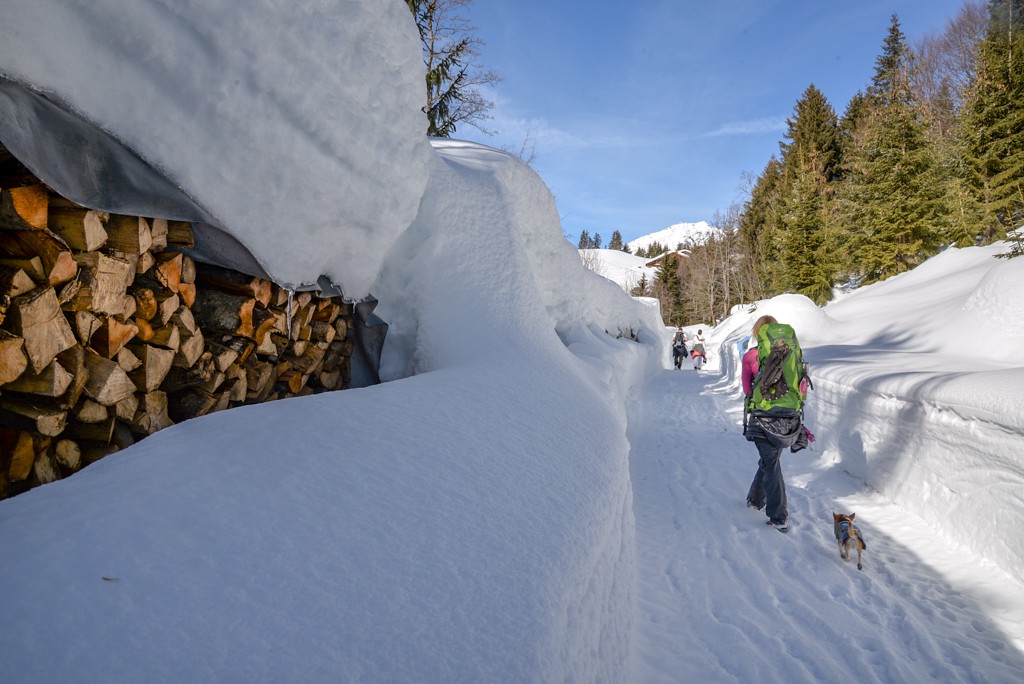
296	128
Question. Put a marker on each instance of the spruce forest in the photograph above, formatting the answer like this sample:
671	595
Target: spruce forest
930	154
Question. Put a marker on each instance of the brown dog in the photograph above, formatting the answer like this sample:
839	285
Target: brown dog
848	536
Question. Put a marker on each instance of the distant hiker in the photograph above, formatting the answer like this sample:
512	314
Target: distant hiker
775	383
678	347
699	354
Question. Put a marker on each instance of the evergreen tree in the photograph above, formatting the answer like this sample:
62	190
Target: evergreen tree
813	131
993	129
596	242
810	264
668	287
810	162
584	242
616	241
760	223
893	191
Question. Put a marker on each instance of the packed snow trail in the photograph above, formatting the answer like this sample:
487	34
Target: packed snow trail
725	598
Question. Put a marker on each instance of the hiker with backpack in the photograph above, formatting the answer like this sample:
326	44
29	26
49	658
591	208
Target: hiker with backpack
775	383
699	354
679	347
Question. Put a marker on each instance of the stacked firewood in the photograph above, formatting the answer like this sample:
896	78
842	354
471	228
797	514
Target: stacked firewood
109	333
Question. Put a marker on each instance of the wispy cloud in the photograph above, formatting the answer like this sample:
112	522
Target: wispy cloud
768	124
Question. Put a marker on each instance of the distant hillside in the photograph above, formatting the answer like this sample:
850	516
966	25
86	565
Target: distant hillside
619	267
688	234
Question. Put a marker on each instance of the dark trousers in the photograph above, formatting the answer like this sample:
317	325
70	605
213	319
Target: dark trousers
768	483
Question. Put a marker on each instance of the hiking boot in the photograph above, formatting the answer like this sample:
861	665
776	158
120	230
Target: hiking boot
753	504
780	525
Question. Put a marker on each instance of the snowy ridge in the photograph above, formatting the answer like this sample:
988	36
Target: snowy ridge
689	235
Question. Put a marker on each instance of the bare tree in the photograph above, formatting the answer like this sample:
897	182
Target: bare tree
453	79
945	65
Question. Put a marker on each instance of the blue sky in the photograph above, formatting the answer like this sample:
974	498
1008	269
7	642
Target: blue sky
648	113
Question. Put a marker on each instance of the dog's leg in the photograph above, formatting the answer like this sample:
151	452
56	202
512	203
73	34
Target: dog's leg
844	553
860	548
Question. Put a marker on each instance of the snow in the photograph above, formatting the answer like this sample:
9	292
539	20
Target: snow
286	100
619	267
689	235
533	495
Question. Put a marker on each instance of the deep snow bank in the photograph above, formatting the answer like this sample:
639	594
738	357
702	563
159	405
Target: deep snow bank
917	391
471	520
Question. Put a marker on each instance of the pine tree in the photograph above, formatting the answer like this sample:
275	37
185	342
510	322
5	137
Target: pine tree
810	163
584	242
993	130
596	242
892	195
616	241
760	223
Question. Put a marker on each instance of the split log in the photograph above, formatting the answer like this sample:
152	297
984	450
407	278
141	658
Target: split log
14	281
88	411
13	360
30	415
112	336
45	467
36	317
20	447
191	348
81	229
239	379
168	337
146	331
180	378
126	409
52	381
158	233
127	360
233	282
129	234
145	303
105	281
223	355
260	377
100	433
56	257
85	324
156	363
223	312
24	208
179	234
68	454
190	404
107	383
32	266
309	361
168	270
68	291
73	361
152	415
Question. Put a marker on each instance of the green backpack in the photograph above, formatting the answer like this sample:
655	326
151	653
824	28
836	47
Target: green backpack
781	369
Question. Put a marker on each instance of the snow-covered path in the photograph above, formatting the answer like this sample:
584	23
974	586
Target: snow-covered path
724	598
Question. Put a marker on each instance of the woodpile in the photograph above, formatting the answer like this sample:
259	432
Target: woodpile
109	333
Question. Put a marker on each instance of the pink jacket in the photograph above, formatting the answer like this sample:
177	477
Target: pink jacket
749	368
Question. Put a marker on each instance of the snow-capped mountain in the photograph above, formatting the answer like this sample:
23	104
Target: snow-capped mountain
687	234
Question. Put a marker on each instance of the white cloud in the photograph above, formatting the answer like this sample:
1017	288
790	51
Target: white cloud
768	124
